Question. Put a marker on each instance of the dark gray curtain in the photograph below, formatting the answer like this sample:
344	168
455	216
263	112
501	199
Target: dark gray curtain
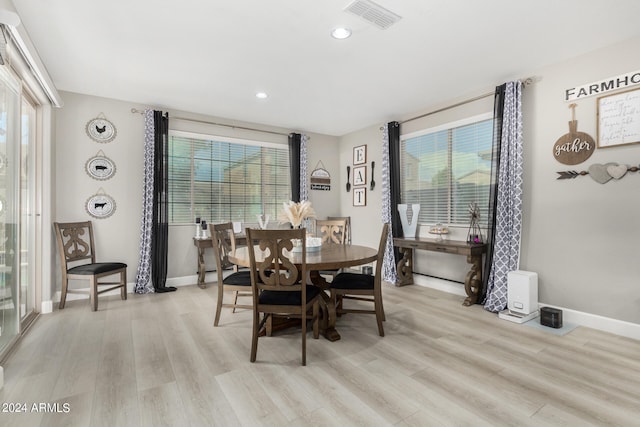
393	128
390	196
154	230
295	142
160	227
498	110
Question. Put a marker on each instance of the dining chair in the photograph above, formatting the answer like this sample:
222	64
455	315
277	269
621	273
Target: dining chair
238	282
347	230
279	286
332	231
362	287
76	245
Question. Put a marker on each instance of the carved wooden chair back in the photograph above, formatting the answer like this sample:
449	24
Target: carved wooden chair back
332	231
347	233
224	243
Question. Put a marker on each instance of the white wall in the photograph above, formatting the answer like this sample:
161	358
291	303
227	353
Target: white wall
118	236
580	236
366	222
369	222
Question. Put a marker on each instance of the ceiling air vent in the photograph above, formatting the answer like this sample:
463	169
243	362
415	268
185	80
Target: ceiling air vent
374	13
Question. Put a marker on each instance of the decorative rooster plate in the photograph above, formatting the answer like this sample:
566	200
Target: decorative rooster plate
101	130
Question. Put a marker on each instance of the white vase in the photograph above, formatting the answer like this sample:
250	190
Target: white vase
409	229
263	220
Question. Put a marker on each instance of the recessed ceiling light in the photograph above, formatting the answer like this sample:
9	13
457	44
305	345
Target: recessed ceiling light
261	95
340	33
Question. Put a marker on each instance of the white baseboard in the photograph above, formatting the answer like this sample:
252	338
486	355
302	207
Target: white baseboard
47	306
174	281
191	280
439	284
606	324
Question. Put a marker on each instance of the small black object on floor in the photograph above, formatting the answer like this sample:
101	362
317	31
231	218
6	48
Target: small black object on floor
551	317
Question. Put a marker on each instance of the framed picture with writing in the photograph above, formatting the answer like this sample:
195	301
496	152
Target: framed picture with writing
619	119
360	155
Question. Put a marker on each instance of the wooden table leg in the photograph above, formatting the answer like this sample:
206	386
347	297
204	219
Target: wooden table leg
473	280
201	268
405	267
328	324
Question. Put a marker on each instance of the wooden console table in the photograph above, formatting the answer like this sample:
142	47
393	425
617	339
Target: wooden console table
202	244
473	251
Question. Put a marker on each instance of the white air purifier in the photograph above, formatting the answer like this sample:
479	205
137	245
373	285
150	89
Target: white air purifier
522	297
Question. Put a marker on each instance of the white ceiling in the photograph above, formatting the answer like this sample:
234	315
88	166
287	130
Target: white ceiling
212	56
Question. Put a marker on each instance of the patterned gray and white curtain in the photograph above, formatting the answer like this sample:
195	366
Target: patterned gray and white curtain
389	272
508	223
143	278
304	184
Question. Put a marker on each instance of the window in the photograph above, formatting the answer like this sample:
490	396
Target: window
447	168
224	179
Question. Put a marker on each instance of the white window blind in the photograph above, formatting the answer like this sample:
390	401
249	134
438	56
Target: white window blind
447	168
223	180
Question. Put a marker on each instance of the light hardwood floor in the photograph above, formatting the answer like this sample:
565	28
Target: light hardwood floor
157	360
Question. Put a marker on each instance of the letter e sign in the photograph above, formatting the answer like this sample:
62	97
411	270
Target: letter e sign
360	155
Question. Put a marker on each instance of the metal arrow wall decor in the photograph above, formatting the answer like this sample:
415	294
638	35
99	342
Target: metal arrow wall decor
600	173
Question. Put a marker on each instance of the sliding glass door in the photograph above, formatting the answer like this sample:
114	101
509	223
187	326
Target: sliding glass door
19	219
10	170
29	215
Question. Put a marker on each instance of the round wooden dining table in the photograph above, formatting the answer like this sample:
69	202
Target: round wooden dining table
329	257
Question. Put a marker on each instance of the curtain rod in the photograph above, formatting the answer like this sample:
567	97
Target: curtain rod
525	82
134	110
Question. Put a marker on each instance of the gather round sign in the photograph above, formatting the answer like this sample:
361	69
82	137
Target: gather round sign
573	147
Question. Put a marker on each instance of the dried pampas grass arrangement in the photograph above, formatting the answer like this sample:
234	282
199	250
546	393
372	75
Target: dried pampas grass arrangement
295	213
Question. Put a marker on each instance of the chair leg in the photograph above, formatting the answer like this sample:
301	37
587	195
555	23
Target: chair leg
379	313
269	325
93	293
123	282
304	337
63	293
219	303
235	301
254	336
316	320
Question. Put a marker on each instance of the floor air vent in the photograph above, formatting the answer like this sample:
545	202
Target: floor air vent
374	13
